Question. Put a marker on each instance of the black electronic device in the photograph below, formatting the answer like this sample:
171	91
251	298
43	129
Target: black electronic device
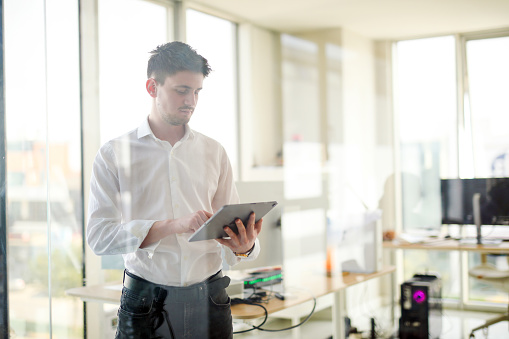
477	201
263	278
421	307
458	203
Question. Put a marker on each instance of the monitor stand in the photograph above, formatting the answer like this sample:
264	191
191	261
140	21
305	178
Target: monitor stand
477	219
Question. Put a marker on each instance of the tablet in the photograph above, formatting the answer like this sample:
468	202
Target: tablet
226	216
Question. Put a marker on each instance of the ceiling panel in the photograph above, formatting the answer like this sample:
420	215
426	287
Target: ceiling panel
377	19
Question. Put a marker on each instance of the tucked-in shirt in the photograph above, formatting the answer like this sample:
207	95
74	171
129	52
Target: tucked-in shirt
138	179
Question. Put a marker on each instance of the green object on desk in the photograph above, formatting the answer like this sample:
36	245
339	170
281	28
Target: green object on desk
266	279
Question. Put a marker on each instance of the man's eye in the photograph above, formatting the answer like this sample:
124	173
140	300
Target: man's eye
182	91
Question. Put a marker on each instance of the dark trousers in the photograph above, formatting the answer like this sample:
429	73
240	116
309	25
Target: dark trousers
149	310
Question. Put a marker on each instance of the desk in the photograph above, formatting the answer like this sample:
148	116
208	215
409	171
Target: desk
449	245
318	284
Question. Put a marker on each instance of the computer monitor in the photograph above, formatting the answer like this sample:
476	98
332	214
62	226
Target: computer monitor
478	201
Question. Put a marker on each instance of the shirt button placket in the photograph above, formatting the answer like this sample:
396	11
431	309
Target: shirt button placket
171	176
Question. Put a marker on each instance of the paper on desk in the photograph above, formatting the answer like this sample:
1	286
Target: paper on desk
405	238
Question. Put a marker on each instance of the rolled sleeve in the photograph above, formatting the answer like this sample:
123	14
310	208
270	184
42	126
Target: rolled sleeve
106	233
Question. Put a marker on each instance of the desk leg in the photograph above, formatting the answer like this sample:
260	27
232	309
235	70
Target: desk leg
338	314
393	297
296	333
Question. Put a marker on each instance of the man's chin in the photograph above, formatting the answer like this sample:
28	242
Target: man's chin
180	122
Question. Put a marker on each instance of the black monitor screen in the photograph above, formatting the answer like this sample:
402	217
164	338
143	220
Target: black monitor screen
457	205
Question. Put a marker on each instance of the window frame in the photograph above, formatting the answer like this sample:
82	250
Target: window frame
4	294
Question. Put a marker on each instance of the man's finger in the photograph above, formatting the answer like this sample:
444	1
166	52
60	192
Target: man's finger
258	226
252	219
204	215
234	238
240	228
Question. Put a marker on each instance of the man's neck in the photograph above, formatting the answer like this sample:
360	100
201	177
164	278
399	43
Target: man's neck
166	132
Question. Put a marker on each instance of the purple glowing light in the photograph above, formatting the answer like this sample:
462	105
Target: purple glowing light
419	296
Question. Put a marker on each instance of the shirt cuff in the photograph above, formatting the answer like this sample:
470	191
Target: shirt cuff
150	249
232	259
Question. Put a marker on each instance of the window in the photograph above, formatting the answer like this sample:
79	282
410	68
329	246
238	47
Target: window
438	140
124	48
426	107
488	110
488	85
425	78
216	114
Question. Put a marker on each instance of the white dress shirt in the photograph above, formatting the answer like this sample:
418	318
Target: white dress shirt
138	179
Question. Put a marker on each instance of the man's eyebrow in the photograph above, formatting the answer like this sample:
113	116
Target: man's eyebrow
185	86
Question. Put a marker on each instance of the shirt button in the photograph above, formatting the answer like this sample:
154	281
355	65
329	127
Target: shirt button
177	206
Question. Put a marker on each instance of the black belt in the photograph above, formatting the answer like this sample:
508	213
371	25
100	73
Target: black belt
190	293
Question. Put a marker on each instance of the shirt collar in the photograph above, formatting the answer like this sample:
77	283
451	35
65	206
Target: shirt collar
144	130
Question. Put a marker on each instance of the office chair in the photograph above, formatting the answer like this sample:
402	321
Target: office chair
500	278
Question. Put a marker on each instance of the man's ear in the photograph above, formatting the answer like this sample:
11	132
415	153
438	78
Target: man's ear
151	86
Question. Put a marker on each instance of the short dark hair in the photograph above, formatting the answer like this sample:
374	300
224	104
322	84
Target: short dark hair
173	57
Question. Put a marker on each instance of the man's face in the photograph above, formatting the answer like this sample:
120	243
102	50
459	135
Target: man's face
176	99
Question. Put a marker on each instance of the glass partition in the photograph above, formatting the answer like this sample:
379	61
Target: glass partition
124	49
44	190
4	300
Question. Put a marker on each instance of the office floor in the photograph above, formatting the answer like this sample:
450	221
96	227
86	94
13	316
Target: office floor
455	325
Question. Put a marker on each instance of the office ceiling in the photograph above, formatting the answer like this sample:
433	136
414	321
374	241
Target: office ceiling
376	19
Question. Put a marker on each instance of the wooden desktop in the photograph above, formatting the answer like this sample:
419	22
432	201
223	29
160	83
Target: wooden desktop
316	283
446	244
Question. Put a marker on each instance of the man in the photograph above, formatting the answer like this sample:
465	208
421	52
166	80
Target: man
150	190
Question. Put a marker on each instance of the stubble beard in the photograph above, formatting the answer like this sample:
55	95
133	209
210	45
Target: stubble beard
174	120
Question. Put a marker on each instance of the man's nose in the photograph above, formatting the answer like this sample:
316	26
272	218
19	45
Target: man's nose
191	99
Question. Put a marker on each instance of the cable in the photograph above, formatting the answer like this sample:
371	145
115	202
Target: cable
255	301
294	326
236	301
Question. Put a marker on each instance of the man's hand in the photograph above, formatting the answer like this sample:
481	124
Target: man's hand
190	223
245	239
163	228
